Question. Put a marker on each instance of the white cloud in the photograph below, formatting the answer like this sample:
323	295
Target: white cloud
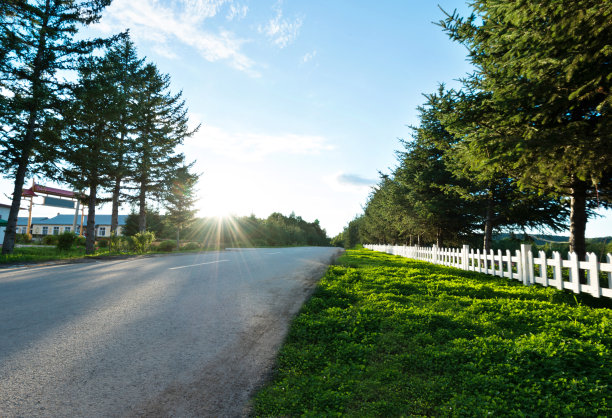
247	146
237	12
309	56
152	21
348	182
281	31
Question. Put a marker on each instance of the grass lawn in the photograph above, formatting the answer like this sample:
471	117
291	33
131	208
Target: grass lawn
387	336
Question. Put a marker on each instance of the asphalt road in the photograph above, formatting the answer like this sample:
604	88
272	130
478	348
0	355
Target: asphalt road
182	335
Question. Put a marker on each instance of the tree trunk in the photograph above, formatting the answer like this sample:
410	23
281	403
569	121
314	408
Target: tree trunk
90	240
9	234
488	227
578	218
142	213
178	237
115	208
439	238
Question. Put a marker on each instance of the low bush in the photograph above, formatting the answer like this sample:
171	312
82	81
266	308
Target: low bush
141	242
23	238
388	336
65	241
191	246
167	246
80	241
50	239
102	243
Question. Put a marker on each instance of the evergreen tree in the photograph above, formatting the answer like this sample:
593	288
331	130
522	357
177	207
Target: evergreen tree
126	69
497	200
547	68
88	148
160	126
36	41
180	199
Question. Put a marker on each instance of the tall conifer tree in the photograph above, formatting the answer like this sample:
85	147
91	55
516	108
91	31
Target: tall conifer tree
548	69
89	149
161	126
36	41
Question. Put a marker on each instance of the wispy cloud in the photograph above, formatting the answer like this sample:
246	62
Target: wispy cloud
248	146
152	21
355	180
237	12
309	56
280	30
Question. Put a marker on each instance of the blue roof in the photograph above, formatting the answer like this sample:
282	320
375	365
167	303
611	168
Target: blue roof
69	219
23	221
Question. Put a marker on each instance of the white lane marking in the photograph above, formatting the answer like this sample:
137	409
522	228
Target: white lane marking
199	264
278	252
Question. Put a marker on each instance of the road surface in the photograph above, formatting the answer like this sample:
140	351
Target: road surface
182	335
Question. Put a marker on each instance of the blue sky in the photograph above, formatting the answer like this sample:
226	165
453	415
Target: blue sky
301	102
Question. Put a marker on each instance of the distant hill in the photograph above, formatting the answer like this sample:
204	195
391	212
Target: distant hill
541	239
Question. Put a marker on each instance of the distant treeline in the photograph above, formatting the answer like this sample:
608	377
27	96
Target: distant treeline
242	231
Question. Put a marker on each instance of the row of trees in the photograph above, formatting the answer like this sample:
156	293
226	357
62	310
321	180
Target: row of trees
525	143
245	231
112	134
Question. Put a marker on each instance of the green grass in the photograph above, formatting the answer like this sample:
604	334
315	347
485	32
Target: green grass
387	336
40	253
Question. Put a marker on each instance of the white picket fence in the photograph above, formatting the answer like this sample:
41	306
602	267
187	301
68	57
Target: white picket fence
522	266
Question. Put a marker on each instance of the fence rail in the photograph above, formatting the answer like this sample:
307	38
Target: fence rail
522	266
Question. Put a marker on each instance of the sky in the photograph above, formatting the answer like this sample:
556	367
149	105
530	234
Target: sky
301	103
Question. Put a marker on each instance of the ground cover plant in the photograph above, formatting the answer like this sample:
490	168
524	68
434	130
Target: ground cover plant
388	336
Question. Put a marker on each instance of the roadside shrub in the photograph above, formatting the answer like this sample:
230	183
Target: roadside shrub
191	246
79	241
167	246
23	238
103	243
65	241
141	242
50	239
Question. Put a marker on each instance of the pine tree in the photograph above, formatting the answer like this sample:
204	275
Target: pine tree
89	148
161	125
181	198
547	67
36	42
122	60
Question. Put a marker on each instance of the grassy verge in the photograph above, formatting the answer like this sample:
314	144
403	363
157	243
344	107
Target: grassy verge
41	254
386	336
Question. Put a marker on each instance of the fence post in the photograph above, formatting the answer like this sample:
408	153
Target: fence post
434	254
574	272
593	275
609	260
464	257
526	265
557	270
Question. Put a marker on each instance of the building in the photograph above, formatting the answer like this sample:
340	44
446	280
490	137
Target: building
63	223
4	214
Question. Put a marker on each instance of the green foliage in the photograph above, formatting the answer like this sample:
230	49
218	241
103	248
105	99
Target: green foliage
102	243
387	336
80	241
141	241
167	246
50	239
191	246
543	70
276	230
38	43
65	241
23	238
154	221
